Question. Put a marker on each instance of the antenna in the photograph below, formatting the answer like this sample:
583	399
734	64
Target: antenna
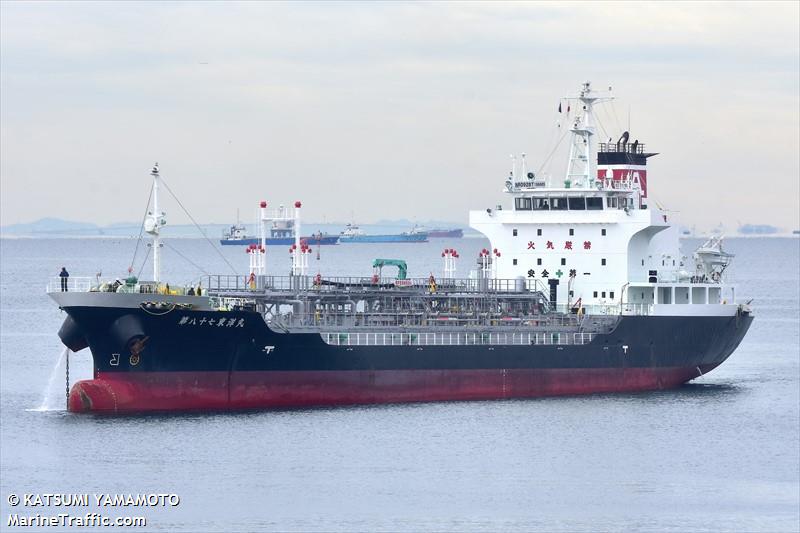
582	155
629	117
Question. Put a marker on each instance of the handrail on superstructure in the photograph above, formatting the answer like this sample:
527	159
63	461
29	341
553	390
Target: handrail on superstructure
627	148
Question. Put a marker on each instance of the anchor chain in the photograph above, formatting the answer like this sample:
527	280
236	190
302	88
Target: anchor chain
67	396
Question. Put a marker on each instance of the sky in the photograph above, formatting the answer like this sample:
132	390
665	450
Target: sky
369	111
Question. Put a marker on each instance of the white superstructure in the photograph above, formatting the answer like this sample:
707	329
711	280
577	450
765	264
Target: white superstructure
593	239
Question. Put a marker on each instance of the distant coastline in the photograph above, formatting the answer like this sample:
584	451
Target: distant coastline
58	228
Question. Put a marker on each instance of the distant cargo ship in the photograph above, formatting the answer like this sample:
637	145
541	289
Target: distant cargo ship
281	231
353	233
758	229
445	233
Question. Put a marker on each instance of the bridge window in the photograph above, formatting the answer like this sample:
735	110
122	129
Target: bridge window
577	204
539	262
523	204
514	232
594	204
595	294
539	232
541	204
611	295
563	261
603	232
571	232
515	262
603	262
611	201
558	204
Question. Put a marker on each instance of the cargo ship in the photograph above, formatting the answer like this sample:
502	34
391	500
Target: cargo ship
445	233
279	227
354	234
582	290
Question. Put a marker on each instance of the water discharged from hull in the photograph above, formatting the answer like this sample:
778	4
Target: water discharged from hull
53	394
223	391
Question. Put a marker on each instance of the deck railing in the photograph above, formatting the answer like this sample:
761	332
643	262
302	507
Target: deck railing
72	284
88	284
377	321
218	285
636	309
456	339
229	283
628	148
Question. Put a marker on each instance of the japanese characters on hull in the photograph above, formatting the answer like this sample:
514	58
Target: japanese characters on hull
187	320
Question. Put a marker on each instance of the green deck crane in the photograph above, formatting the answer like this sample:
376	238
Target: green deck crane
402	268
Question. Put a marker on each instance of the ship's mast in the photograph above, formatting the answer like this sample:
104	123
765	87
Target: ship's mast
153	226
582	152
297	206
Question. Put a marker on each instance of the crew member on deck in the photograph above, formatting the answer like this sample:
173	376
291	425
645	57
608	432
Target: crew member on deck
64	275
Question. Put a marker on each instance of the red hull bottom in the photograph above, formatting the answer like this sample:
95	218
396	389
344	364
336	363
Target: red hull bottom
192	391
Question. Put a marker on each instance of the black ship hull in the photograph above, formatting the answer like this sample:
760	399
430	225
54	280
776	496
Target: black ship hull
197	360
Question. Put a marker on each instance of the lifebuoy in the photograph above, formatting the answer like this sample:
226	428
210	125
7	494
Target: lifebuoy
715	276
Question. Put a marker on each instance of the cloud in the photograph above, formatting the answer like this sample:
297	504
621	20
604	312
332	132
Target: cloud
385	110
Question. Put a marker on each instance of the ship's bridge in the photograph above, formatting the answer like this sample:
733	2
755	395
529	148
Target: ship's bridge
620	183
568	199
591	231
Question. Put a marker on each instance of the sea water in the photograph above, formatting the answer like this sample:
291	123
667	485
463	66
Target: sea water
722	453
56	389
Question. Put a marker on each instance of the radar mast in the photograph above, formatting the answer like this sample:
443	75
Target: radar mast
581	168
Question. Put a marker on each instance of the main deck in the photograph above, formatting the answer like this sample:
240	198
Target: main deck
377	311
